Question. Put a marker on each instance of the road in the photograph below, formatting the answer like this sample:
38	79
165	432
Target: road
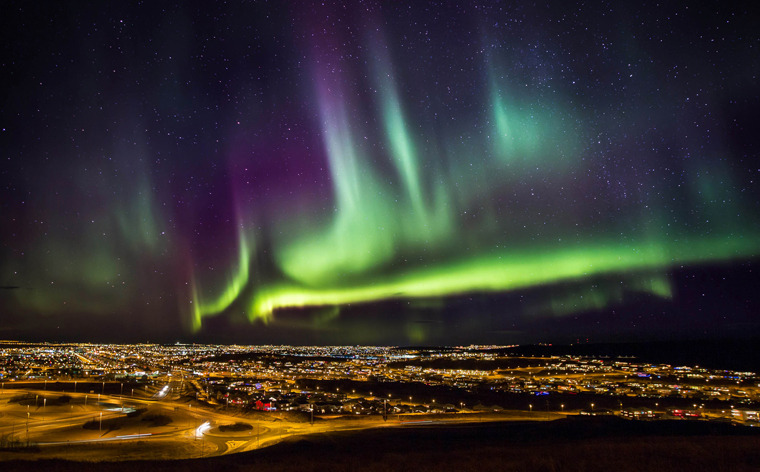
51	426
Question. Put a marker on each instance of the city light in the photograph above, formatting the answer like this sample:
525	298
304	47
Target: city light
225	384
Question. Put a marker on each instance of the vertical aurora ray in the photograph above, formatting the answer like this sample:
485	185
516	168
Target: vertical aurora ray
236	283
403	150
361	234
397	134
426	220
516	137
139	221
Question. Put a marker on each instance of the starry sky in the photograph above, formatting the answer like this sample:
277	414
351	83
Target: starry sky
378	172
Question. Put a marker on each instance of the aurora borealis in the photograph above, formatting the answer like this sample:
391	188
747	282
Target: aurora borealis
288	171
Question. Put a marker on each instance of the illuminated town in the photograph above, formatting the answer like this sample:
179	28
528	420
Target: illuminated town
214	400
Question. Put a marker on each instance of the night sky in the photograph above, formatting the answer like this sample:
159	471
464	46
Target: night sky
379	172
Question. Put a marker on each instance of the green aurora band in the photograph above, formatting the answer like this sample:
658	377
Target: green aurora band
360	253
509	271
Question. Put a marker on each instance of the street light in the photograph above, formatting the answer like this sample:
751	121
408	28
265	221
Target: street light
101	421
530	407
562	407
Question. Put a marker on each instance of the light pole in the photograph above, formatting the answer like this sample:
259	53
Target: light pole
100	428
